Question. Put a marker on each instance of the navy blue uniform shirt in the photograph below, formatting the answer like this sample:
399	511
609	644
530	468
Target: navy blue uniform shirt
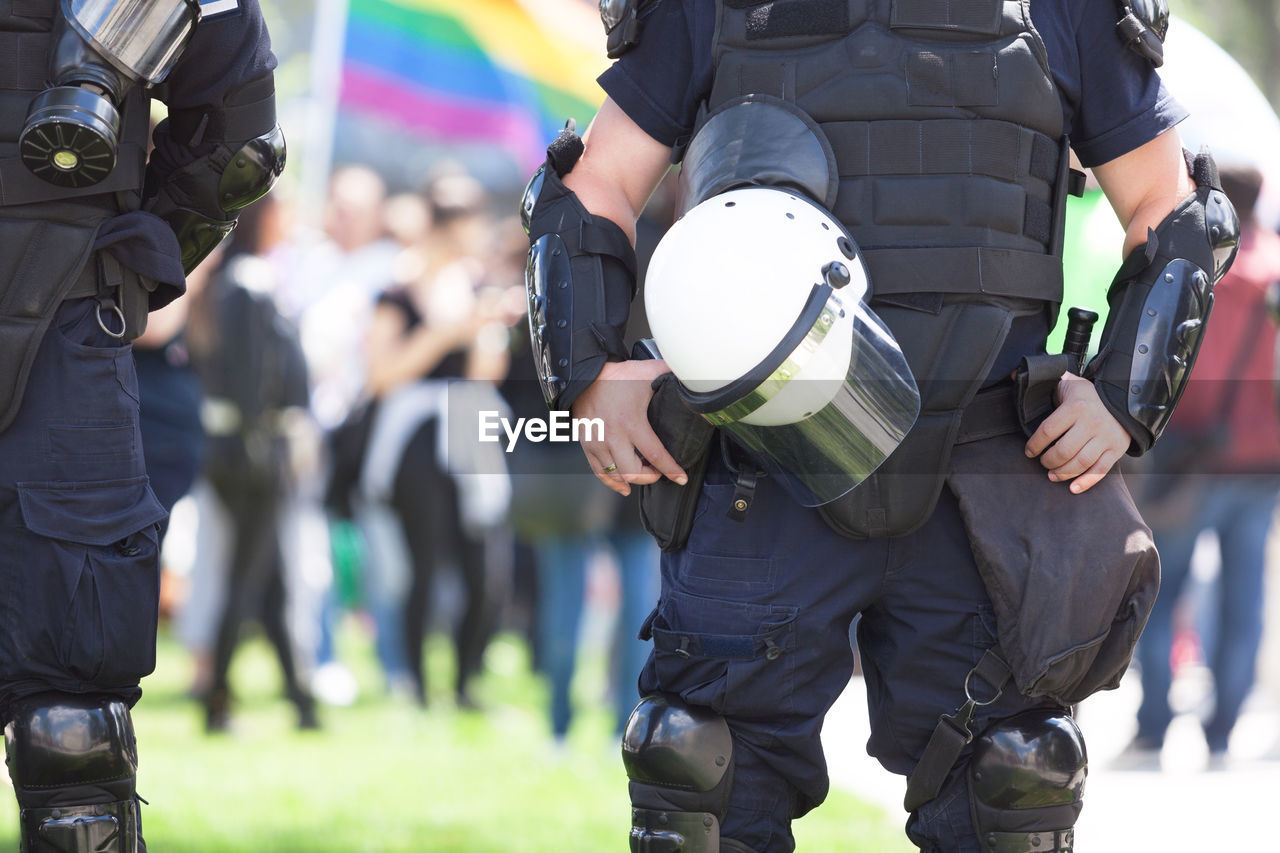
1112	100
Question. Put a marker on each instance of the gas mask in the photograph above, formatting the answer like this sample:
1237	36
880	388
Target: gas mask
101	49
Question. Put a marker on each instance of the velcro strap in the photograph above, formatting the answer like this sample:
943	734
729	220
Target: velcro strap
1204	171
994	149
976	17
565	150
813	17
1045	156
966	269
605	238
610	340
993	671
1048	841
952	733
598	339
708	645
238	123
24	61
1036	381
1076	182
86	284
940	755
993	412
1037	220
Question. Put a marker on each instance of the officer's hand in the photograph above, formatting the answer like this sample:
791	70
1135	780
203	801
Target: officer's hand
620	398
1086	439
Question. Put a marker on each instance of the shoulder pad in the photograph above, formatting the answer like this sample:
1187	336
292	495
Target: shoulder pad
621	20
1142	27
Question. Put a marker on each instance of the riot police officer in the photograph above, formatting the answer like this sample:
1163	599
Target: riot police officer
937	135
96	234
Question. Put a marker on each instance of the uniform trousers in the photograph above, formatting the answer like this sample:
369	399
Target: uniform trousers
754	623
79	560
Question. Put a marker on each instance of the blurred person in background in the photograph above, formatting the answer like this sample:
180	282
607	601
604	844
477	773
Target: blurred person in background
173	441
567	522
201	599
330	286
1217	468
169	397
408	223
327	288
254	377
435	348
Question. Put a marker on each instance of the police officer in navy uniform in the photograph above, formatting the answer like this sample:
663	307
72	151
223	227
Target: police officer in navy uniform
96	234
942	134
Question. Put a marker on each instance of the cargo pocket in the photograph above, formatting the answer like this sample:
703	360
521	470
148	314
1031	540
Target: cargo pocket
98	588
736	659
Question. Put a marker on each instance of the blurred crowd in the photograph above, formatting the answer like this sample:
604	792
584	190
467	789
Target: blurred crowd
314	402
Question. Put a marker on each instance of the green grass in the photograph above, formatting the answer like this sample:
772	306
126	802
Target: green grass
385	776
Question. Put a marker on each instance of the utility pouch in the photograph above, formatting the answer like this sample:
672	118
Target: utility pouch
667	508
1072	578
1037	379
123	298
135	299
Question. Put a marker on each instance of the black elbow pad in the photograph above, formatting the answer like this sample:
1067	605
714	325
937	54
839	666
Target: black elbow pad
241	155
580	279
1160	301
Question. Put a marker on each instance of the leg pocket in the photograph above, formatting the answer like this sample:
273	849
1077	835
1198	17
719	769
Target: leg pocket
93	583
735	658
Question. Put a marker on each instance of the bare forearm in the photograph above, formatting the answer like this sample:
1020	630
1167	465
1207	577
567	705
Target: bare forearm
1144	185
619	169
420	352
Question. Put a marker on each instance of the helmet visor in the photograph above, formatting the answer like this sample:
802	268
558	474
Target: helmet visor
834	408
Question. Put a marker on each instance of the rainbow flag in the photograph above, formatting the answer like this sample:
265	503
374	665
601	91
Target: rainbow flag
501	72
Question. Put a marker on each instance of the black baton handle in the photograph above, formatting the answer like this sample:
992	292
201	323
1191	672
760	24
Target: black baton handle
1079	330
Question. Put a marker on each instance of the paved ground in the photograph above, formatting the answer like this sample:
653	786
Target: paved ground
1182	807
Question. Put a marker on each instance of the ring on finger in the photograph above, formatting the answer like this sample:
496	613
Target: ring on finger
610	469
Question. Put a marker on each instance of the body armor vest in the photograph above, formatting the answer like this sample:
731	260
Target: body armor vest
47	231
951	168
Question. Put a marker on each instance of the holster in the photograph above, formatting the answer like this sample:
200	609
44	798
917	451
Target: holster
1037	380
129	290
667	508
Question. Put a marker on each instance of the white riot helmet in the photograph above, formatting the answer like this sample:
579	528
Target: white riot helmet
755	298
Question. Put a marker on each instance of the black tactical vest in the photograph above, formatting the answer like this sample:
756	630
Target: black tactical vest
47	232
947	132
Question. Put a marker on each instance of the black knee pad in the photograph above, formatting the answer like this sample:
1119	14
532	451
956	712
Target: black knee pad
680	763
1026	783
73	761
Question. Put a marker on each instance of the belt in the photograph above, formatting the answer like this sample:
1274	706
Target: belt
86	283
994	411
